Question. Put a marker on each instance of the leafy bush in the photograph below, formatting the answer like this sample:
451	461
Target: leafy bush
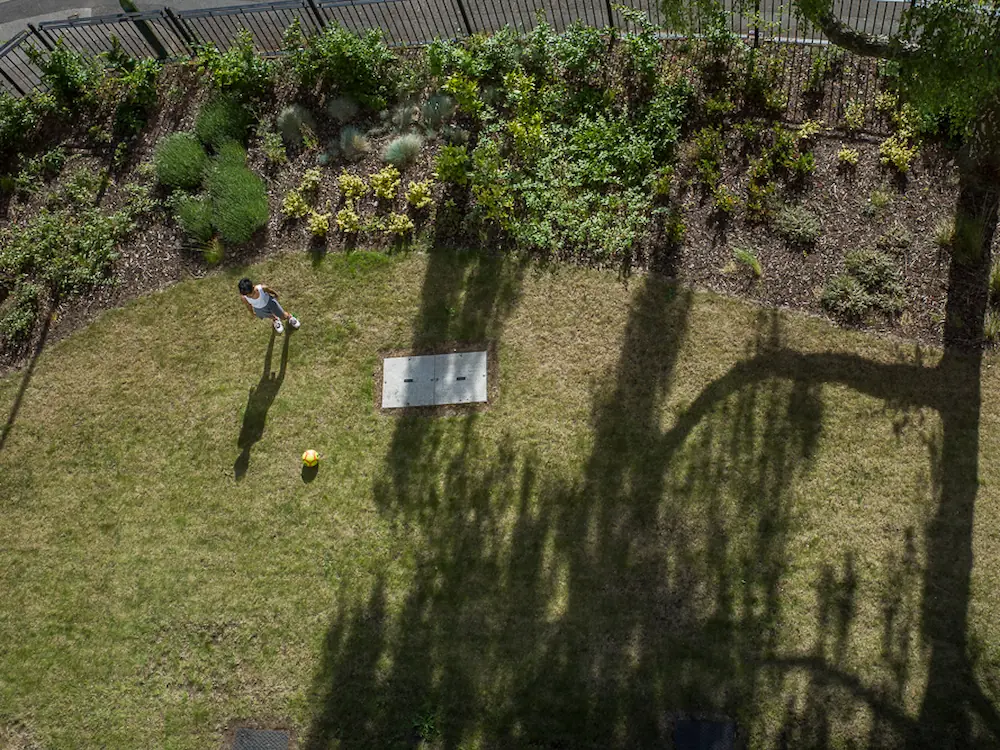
272	145
68	250
465	90
342	109
311	181
319	224
180	161
238	196
351	186
294	205
239	70
848	157
580	50
19	119
897	151
385	183
348	220
18	313
708	154
642	49
748	258
294	121
222	119
854	115
136	97
353	143
797	225
403	151
724	200
361	67
72	78
873	281
418	194
194	215
896	238
452	165
666	115
398	224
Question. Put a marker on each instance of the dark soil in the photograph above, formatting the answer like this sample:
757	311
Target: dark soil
157	255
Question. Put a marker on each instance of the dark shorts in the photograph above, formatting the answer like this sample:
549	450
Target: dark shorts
269	310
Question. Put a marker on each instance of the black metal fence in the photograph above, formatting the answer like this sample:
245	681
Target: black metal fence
166	34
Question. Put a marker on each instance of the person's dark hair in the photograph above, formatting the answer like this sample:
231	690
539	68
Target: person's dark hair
246	286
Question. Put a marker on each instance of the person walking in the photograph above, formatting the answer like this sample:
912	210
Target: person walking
263	303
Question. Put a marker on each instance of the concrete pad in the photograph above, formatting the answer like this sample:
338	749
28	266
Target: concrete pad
434	380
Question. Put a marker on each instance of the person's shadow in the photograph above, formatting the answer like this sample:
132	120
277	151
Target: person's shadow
261	397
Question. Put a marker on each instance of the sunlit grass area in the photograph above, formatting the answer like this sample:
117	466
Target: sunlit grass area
678	503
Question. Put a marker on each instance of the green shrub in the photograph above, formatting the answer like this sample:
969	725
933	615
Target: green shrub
222	119
238	196
465	90
272	145
580	50
748	258
194	215
848	157
351	186
854	115
724	200
239	70
136	97
294	122
897	151
319	224
873	281
418	194
642	49
385	183
73	78
348	220
342	109
180	161
311	180
666	116
68	250
398	224
19	312
452	165
708	154
896	238
361	67
353	143
880	198
797	224
19	120
402	152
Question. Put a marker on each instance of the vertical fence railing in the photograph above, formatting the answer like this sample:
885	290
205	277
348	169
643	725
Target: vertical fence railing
265	22
18	74
167	34
148	34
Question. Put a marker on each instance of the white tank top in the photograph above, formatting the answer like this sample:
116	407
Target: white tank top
261	302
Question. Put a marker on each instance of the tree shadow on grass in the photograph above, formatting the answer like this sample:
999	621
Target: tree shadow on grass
552	611
259	402
28	371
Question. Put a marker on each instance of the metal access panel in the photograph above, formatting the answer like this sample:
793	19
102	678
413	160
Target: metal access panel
434	380
261	739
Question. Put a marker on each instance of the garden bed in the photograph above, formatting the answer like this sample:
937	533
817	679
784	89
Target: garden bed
579	147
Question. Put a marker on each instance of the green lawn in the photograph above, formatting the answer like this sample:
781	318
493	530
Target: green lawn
678	502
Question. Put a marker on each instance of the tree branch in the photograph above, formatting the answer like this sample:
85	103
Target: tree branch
858	42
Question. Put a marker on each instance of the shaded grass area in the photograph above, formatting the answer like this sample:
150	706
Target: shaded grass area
678	503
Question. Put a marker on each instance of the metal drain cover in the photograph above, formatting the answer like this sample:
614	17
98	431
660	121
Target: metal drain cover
261	739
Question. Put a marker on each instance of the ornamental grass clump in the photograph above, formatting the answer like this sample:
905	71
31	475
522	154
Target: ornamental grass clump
237	195
295	124
403	151
222	119
180	161
194	215
354	144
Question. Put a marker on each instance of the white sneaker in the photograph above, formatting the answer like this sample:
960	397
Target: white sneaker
294	322
278	327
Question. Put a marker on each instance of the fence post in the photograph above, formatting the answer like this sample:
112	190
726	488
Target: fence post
316	14
465	18
611	14
42	39
181	30
756	24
